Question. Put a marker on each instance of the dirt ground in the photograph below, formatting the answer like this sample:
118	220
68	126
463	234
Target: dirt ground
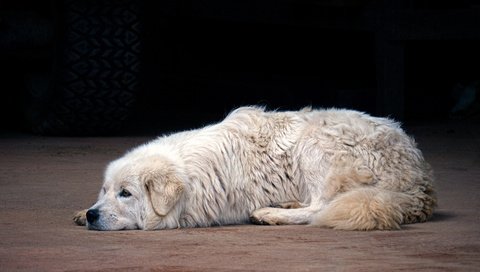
44	180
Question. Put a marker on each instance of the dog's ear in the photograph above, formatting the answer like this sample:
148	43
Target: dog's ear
164	190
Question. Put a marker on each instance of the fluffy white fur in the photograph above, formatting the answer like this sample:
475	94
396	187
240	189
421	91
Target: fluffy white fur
335	168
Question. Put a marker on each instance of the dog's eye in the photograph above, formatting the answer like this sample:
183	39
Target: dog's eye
125	193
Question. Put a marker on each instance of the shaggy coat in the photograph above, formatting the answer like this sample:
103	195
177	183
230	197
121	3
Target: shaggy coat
335	168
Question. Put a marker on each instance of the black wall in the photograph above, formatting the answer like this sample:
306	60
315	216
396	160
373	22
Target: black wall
200	60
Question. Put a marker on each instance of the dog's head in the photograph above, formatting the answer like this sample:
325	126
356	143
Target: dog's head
136	194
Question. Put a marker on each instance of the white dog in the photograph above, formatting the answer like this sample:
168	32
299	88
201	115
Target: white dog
335	168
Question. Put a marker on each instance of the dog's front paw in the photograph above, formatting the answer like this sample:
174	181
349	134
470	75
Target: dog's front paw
80	217
265	216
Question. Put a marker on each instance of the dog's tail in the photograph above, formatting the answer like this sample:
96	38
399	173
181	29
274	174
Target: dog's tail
366	208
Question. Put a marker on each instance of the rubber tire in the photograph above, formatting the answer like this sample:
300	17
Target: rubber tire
95	79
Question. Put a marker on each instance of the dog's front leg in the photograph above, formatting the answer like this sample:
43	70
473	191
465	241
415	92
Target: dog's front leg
80	217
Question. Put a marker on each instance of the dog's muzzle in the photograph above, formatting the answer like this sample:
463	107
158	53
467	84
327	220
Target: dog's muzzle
92	215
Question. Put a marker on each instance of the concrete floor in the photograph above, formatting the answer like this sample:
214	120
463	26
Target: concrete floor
44	180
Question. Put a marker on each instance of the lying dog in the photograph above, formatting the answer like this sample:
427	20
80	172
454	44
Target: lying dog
334	168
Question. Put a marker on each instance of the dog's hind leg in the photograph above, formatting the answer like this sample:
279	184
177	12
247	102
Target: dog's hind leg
289	205
344	174
280	216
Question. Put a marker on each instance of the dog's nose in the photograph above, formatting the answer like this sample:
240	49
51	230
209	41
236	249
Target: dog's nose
92	215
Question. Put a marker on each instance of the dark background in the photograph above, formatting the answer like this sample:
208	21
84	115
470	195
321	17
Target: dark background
197	60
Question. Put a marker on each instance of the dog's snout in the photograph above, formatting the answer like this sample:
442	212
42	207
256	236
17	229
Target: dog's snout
92	215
